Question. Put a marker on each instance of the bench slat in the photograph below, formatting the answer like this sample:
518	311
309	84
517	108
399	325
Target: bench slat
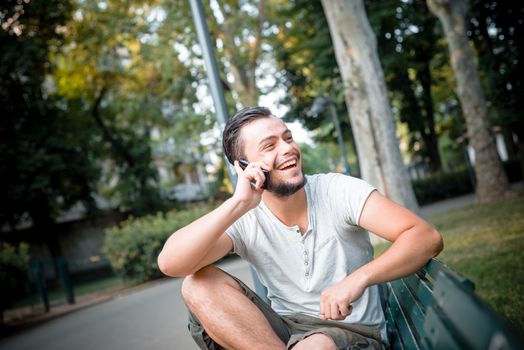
436	308
434	267
421	288
473	319
411	307
439	334
393	335
403	327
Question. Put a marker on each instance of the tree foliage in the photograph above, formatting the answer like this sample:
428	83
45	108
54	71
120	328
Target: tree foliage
496	28
308	68
95	96
408	42
45	164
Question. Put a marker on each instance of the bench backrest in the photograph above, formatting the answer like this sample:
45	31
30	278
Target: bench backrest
436	308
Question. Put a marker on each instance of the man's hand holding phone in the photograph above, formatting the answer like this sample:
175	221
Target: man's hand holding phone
244	164
252	180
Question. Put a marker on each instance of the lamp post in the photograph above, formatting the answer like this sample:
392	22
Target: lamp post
218	99
212	72
319	105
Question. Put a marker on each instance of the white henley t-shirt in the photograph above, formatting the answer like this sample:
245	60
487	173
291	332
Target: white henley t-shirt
296	268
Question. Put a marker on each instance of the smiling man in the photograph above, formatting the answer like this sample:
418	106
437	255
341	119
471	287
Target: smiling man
306	236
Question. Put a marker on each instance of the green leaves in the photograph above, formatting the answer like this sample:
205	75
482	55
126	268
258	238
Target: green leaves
14	272
132	248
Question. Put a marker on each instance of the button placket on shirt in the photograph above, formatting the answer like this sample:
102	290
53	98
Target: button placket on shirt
305	253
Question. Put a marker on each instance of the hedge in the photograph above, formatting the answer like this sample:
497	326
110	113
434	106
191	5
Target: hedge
133	247
14	272
448	185
442	186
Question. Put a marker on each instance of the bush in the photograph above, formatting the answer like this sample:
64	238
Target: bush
442	186
132	248
14	272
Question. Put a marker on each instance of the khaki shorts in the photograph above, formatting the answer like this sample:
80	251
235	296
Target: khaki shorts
294	328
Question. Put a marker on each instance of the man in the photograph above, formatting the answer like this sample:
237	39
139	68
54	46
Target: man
306	237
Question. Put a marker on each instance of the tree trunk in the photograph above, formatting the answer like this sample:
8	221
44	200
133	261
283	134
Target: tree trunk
492	183
371	117
429	135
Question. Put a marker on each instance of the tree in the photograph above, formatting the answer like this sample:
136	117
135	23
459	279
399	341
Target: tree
371	116
496	28
97	66
45	165
407	43
240	32
307	68
492	183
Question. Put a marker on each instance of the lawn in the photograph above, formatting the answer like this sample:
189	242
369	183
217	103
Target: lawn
486	244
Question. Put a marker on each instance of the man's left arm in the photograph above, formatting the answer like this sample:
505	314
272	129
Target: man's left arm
415	242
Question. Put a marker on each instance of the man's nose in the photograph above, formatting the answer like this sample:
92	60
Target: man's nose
286	148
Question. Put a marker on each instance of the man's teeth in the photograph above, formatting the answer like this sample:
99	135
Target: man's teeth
287	164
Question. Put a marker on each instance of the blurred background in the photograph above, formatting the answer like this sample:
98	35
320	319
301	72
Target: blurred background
109	139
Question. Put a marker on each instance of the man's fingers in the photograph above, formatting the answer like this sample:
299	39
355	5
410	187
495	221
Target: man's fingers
237	167
335	313
252	172
326	307
345	310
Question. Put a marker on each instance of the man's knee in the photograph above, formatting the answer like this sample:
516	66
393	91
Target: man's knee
196	284
204	284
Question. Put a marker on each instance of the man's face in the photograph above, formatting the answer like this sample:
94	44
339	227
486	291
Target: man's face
269	140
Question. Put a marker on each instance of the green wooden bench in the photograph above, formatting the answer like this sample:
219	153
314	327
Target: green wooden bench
436	308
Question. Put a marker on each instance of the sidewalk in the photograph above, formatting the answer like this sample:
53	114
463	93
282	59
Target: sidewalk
18	319
25	317
447	204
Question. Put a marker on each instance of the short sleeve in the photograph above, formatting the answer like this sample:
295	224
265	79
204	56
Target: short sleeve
234	232
350	195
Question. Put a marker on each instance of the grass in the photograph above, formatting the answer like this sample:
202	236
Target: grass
486	244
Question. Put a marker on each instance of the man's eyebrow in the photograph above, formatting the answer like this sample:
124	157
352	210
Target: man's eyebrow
272	137
268	138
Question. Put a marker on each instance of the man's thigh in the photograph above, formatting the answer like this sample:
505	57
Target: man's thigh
278	324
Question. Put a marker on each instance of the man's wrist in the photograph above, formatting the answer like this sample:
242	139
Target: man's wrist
237	206
361	278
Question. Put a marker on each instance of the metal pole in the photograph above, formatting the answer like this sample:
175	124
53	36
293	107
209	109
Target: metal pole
40	283
218	96
334	116
209	61
66	280
215	83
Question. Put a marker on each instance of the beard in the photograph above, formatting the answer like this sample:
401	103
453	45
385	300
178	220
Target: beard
286	189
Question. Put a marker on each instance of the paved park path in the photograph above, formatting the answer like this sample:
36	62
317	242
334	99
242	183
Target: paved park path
148	318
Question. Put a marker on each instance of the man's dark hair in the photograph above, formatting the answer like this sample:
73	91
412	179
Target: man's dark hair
231	142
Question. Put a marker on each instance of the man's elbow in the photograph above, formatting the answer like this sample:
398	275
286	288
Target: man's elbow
436	242
169	267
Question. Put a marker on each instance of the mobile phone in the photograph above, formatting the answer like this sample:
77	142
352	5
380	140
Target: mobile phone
244	163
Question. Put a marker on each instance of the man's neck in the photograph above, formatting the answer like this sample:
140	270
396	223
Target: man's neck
290	210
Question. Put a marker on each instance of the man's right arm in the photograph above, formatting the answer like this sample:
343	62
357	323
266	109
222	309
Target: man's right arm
200	243
204	241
